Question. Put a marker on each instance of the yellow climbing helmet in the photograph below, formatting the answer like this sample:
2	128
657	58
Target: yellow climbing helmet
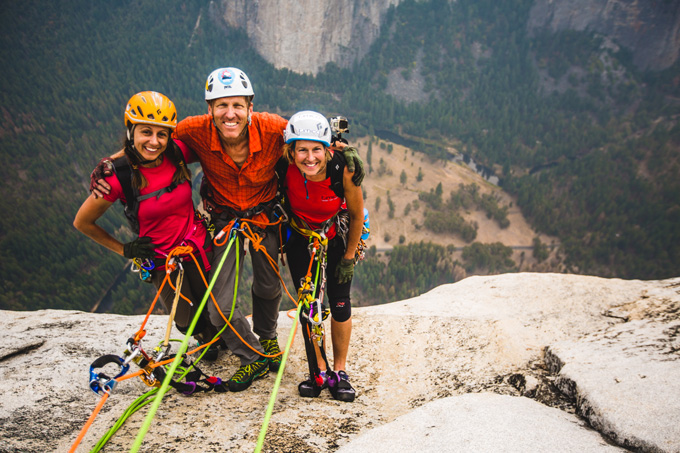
150	107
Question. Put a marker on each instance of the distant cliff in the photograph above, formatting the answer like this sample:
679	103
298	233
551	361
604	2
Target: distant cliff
650	29
304	35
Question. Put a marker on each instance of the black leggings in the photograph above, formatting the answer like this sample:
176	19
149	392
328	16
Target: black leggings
298	262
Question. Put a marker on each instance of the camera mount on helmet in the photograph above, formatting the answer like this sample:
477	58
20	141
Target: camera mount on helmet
339	126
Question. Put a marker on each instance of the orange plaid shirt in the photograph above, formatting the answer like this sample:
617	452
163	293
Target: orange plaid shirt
239	188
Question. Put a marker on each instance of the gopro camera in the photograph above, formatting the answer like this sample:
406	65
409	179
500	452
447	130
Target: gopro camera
339	126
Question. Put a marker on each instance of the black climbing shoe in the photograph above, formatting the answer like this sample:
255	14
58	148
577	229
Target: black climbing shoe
307	389
245	375
311	389
339	386
271	347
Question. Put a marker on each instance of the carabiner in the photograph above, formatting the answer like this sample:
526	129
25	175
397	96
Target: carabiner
170	268
131	354
283	216
139	266
160	352
316	316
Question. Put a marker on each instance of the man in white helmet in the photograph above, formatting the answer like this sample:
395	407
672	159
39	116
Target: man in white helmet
238	150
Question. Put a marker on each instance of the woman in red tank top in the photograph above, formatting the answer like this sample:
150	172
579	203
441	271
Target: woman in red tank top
315	206
162	213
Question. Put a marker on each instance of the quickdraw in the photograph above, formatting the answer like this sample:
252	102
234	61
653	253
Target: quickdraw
360	252
313	310
153	374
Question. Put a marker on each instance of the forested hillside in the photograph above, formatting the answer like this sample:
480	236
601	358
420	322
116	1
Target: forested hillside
587	143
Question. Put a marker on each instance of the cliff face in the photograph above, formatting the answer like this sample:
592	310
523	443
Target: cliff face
304	35
650	29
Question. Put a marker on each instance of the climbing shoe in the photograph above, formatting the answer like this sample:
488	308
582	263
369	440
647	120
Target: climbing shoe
245	375
339	386
271	347
312	388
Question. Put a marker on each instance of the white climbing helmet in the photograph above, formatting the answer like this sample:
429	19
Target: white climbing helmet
308	125
224	82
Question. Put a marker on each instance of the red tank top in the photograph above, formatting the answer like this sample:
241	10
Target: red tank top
313	202
168	220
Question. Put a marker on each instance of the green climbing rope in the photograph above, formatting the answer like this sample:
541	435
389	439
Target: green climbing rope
182	349
279	376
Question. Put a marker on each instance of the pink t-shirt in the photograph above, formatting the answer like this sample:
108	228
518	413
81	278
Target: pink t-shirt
169	219
313	202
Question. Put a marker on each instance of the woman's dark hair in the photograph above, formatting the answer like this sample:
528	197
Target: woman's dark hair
172	152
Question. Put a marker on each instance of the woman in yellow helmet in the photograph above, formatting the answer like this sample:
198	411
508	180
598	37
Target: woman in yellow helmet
153	183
